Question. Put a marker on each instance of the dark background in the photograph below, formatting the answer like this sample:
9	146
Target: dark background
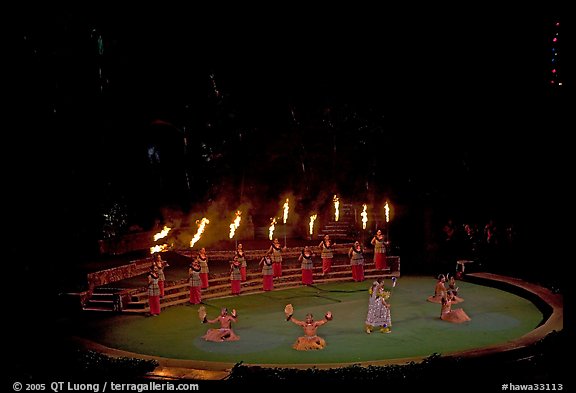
450	115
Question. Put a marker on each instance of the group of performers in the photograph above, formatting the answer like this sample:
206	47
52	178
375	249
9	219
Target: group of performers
378	316
447	297
271	265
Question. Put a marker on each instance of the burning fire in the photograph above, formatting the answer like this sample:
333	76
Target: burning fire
364	215
387	210
235	224
201	225
336	208
162	233
158	248
311	225
271	229
286	208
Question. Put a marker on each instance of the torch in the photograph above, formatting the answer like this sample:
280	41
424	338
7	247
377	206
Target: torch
286	209
201	226
311	224
336	208
387	212
271	228
364	215
235	224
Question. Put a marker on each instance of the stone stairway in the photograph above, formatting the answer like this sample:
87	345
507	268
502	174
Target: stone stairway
104	299
344	228
176	293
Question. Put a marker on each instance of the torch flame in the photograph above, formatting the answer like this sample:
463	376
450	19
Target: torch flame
271	229
387	210
162	233
286	208
201	225
235	224
311	225
158	248
364	215
336	210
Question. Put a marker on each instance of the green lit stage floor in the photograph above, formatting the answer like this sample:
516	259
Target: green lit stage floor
266	337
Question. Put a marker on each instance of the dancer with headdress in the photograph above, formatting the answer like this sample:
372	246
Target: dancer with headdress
310	340
378	307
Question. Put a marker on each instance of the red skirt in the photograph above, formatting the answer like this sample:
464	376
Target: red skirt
326	265
277	266
380	261
154	302
204	280
307	276
235	287
243	273
195	295
268	282
358	272
161	286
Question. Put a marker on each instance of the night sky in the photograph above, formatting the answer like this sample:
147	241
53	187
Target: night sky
434	110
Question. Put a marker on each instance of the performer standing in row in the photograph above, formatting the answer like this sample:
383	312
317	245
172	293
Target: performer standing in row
356	255
305	259
275	251
327	255
195	283
153	291
267	273
379	251
160	265
242	259
235	276
202	259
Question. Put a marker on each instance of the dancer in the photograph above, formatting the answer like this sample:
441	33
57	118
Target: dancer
327	254
153	291
195	282
310	340
235	276
267	273
378	308
305	259
452	287
225	333
379	244
242	259
160	264
202	259
439	290
275	251
447	314
356	256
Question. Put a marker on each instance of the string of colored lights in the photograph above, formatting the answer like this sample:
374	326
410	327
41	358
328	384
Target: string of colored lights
554	74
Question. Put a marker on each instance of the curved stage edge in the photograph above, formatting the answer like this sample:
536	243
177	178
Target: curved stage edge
552	306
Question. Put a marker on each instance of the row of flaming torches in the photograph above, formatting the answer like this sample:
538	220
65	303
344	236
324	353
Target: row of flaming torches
236	223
